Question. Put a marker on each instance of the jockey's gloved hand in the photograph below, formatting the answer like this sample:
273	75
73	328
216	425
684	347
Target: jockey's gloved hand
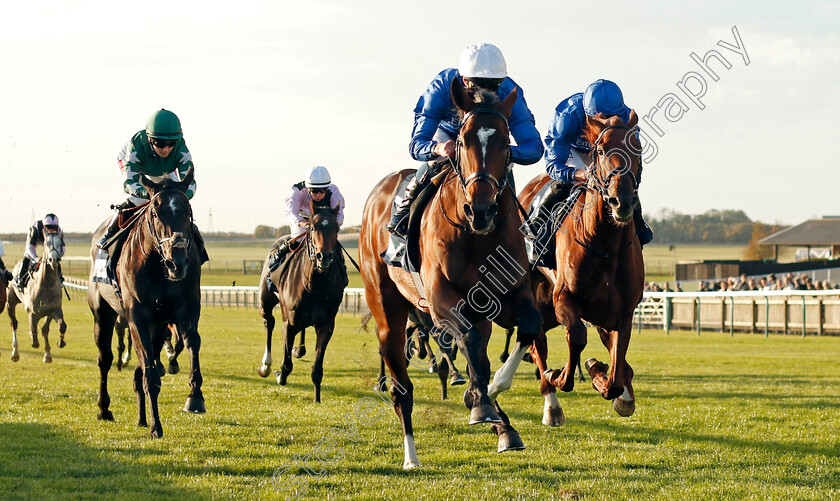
7	275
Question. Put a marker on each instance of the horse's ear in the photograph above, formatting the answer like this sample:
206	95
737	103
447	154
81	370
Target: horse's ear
507	104
185	183
594	124
460	96
634	119
151	186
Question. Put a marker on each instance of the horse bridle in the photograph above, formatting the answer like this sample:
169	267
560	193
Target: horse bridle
498	185
310	245
158	241
601	185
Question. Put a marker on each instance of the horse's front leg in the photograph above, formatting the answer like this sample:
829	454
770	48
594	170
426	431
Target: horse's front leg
617	385
300	350
266	308
568	313
192	343
525	316
552	411
146	373
103	331
289	332
33	330
58	316
13	302
45	332
323	333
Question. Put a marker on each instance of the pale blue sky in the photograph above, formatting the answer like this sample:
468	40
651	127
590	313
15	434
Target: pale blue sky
267	89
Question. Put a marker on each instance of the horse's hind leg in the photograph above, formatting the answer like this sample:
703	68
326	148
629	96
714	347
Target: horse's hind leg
58	316
103	331
323	334
173	352
141	396
121	347
505	354
33	330
267	303
300	350
552	411
45	332
289	332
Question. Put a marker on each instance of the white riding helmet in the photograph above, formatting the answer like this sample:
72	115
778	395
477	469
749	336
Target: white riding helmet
482	60
50	223
317	177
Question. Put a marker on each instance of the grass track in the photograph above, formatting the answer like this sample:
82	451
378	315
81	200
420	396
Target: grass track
717	418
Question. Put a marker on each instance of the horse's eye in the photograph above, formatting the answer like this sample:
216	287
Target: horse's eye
600	152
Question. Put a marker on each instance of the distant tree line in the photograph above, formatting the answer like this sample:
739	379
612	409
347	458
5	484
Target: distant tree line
712	227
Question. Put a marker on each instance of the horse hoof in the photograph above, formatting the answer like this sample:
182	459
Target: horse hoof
161	370
299	351
468	399
410	465
594	367
527	358
264	370
554	416
432	369
15	356
105	416
61	343
119	365
195	405
484	414
457	380
173	368
156	432
281	378
36	344
510	441
503	357
624	408
47	358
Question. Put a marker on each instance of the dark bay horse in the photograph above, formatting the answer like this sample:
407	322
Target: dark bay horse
311	285
159	275
469	228
41	297
600	271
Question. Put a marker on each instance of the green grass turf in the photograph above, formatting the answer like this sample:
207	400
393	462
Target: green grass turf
716	418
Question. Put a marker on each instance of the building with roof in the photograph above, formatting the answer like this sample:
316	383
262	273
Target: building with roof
813	233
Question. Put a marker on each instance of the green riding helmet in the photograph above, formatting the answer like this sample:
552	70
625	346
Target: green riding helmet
163	124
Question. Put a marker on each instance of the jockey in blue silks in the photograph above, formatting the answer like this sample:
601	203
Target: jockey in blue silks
567	153
437	121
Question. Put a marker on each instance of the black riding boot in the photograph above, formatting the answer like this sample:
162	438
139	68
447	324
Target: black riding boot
6	273
399	221
277	259
114	225
643	231
542	215
24	270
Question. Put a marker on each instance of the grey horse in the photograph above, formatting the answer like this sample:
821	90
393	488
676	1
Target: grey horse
41	298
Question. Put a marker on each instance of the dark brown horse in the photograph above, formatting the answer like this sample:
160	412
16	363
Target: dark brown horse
470	229
311	285
600	271
159	275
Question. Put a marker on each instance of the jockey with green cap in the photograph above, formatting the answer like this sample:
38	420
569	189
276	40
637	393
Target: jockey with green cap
158	152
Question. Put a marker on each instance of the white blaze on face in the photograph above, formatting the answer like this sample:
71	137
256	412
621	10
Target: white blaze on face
483	135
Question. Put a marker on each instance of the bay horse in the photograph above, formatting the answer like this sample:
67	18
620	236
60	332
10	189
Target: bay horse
41	297
310	283
600	270
470	223
159	275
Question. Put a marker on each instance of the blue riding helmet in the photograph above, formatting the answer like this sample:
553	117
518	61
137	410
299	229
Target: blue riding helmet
603	96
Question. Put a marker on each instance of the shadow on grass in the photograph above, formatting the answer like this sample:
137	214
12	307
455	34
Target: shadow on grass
43	462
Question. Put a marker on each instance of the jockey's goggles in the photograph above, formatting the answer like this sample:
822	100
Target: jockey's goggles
163	143
51	228
315	191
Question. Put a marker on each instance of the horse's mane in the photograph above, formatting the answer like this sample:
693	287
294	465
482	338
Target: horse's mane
483	98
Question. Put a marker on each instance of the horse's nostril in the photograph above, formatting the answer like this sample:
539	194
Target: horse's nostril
319	255
613	201
468	211
492	211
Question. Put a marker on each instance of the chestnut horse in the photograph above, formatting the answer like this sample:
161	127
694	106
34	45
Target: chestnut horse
159	275
600	271
311	287
470	225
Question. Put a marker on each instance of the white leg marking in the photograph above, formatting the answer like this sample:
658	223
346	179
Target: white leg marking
267	357
626	395
503	378
411	460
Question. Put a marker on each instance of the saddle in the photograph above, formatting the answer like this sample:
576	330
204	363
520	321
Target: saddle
548	209
404	252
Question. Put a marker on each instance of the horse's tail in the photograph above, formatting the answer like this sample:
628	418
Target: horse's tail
364	324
